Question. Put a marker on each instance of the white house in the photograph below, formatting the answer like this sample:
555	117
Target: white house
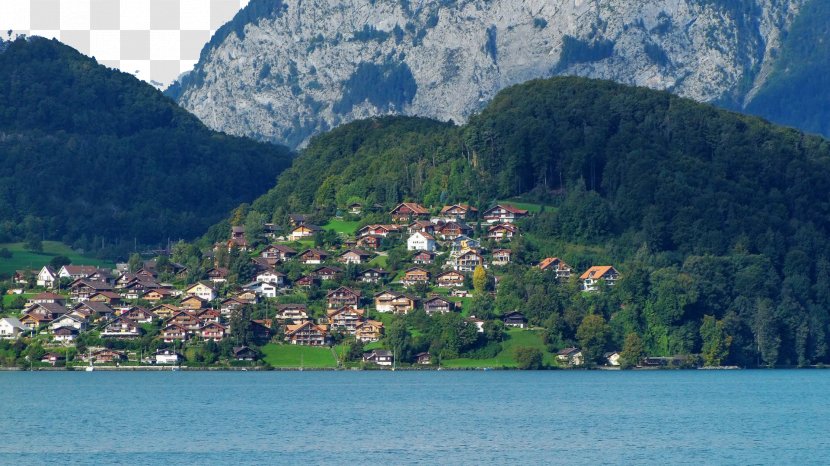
47	277
10	327
275	278
167	357
268	290
420	241
613	358
68	320
202	290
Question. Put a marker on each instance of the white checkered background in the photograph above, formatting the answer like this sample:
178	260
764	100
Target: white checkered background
155	40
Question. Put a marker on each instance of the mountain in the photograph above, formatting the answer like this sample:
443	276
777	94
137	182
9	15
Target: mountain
300	68
703	211
90	155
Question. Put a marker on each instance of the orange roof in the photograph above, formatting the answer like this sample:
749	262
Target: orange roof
597	271
555	261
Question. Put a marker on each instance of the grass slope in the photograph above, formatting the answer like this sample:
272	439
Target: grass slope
343	227
295	356
23	259
515	338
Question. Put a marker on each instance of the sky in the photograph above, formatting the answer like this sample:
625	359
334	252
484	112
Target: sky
155	40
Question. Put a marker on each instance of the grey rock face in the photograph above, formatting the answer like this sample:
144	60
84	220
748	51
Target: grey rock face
310	65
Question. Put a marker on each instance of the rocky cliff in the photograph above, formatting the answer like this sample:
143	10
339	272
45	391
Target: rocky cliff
285	70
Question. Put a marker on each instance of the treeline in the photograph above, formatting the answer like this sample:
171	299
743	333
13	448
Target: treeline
87	152
705	212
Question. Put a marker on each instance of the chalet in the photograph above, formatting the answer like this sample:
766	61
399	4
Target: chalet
47	277
138	287
369	331
341	297
47	298
459	211
452	230
11	327
305	230
169	267
106	356
414	276
327	273
514	319
501	256
261	329
53	358
296	220
201	290
451	279
101	275
49	311
23	277
423	226
217	274
503	213
188	320
68	320
238	239
423	359
370	242
209	315
81	289
157	294
592	277
74	272
272	276
502	232
374	276
313	256
463	244
65	334
278	252
173	332
392	301
294	312
467	261
438	305
556	265
570	356
164	311
612	358
306	281
354	256
246	295
477	322
212	331
377	230
94	308
121	327
355	208
267	290
423	258
420	241
108	297
346	318
243	353
147	274
193	302
306	333
379	357
167	356
139	315
34	321
406	212
228	305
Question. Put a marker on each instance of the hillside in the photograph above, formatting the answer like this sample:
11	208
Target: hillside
703	211
93	156
301	68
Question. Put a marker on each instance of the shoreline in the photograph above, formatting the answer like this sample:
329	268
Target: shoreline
357	369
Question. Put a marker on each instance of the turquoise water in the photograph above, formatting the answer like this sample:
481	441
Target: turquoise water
558	417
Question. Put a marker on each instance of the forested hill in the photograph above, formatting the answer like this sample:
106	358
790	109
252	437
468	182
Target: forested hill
89	154
703	211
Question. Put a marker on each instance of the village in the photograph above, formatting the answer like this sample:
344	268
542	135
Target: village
87	316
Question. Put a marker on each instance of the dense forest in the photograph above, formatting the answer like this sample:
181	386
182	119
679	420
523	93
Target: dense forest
717	221
92	156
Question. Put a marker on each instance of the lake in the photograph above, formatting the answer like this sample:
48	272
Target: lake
447	417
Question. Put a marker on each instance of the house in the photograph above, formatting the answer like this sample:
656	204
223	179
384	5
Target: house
415	276
101	275
452	230
188	320
238	239
355	208
212	331
592	277
34	321
464	243
368	331
377	230
91	308
47	277
108	297
423	359
278	253
459	211
502	232
501	256
354	256
346	318
65	334
247	295
261	329
374	276
271	276
23	277
424	226
167	356
218	274
313	256
209	315
173	332
121	327
81	289
74	272
268	290
570	356
306	333
370	242
306	281
326	273
466	261
420	241
243	353
406	212
503	213
515	319
53	358
49	310
47	298
612	358
165	311
392	301
423	258
451	279
438	305
557	265
297	219
305	230
295	312
228	305
193	302
106	356
379	357
139	315
202	290
456	293
341	297
11	327
68	320
157	294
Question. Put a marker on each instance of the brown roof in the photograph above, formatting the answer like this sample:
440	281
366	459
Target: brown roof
414	207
